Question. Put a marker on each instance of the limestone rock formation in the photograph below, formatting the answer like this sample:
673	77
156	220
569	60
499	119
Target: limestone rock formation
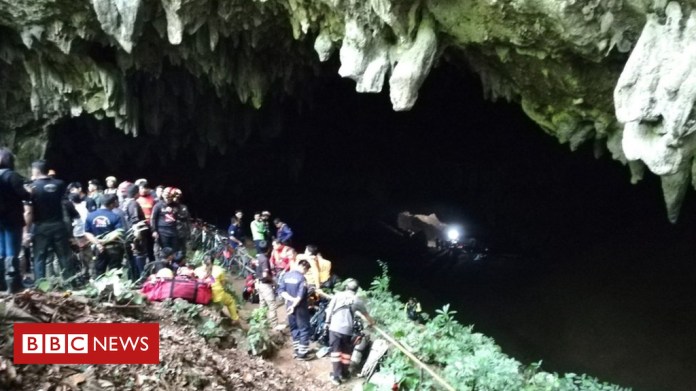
655	97
614	73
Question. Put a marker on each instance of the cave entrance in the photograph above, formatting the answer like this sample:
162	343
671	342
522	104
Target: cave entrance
346	163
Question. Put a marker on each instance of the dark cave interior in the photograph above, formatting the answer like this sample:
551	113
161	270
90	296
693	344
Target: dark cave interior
607	281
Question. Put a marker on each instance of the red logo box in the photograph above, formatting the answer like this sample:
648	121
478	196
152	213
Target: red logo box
86	343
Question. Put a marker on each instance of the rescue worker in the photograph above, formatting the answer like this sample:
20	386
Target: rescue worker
258	230
50	230
340	317
234	231
101	230
135	220
183	219
76	188
264	285
320	268
110	185
84	250
14	224
216	276
166	260
284	233
121	190
94	192
282	258
293	288
413	310
164	222
145	199
266	219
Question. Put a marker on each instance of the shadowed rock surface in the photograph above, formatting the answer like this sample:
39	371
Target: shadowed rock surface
196	71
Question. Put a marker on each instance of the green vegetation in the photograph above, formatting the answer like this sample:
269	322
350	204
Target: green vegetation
183	311
207	326
113	287
468	360
259	336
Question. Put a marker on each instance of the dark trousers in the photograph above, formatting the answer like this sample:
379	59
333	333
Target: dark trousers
300	329
133	271
341	351
10	246
149	245
28	259
110	258
172	242
52	236
138	265
257	244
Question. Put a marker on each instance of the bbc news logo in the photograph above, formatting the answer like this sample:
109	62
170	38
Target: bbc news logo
86	343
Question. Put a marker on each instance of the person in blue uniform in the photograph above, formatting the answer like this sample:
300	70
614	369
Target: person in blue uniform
99	223
293	288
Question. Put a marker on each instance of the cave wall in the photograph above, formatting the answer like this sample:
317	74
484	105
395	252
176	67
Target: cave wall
197	71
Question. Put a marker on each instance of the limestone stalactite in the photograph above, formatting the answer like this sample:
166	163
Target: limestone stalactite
198	71
655	98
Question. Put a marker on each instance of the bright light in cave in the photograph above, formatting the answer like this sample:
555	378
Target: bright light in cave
453	234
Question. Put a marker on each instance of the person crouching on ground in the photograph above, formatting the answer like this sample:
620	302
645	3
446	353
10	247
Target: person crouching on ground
340	316
166	259
293	288
215	275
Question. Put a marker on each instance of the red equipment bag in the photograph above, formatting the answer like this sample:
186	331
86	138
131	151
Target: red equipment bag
189	289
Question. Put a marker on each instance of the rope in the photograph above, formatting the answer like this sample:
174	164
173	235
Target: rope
392	341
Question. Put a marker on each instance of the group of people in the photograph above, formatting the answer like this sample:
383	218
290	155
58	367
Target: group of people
260	229
301	281
88	232
133	224
296	289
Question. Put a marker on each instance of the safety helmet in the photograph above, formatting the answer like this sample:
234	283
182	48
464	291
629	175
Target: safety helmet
123	187
351	284
185	271
165	273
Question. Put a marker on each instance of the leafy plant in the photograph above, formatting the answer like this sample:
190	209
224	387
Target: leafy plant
183	311
211	329
445	322
465	359
114	287
380	285
259	336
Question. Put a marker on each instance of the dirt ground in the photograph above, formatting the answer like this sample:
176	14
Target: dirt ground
187	361
318	369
